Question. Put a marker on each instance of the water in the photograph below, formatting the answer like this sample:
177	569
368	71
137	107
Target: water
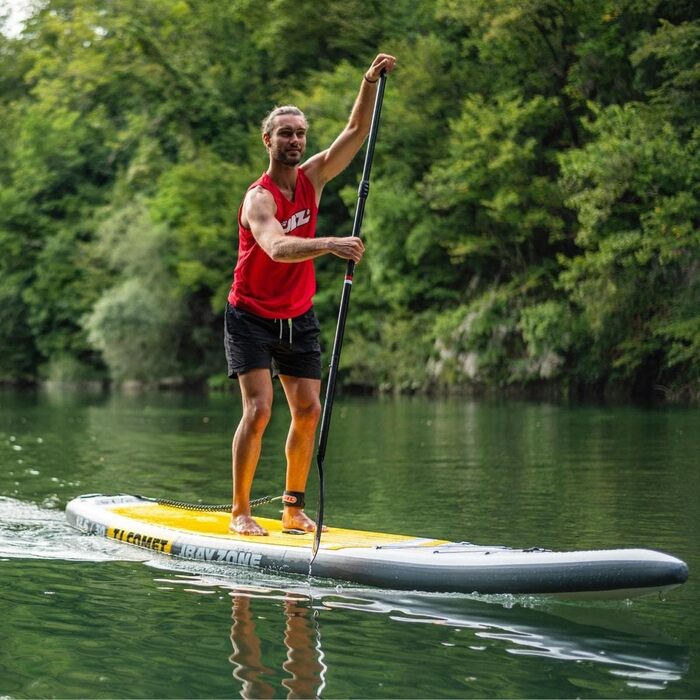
87	617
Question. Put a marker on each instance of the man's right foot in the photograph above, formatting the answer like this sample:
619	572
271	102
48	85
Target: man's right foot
245	525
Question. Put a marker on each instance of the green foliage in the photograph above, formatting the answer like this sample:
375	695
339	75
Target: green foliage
471	342
376	352
533	216
198	200
19	356
639	214
54	318
135	327
675	85
495	192
68	369
546	327
136	322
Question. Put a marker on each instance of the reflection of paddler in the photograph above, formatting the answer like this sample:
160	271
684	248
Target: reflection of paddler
247	657
304	658
304	666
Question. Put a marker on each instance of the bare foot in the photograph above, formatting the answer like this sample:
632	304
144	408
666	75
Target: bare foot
245	525
296	519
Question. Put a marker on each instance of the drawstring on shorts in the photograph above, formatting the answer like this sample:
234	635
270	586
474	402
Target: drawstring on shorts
289	323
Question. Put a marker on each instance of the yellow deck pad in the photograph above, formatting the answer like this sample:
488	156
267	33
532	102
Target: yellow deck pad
215	524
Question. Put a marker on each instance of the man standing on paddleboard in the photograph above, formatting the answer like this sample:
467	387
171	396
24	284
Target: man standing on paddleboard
270	324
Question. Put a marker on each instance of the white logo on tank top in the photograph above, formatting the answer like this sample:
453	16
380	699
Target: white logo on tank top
295	220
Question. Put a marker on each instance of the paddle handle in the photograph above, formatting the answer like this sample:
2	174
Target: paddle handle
362	194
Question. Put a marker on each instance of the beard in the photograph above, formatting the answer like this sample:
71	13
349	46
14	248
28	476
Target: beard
286	158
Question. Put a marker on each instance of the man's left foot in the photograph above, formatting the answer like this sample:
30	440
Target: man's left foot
296	519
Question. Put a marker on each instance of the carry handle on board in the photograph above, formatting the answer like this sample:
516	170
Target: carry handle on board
362	193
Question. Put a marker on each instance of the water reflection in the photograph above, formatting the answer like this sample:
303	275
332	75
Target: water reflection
607	638
304	667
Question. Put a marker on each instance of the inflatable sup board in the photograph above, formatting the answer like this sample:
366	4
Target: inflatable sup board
375	558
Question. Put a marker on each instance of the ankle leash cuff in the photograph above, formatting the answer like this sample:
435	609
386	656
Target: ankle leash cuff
293	498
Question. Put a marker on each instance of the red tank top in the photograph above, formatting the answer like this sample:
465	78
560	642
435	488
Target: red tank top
275	289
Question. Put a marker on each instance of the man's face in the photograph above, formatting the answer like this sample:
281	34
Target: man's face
287	142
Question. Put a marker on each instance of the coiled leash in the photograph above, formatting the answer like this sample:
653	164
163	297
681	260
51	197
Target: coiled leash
211	508
289	498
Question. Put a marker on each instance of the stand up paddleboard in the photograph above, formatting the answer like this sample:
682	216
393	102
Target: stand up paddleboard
375	558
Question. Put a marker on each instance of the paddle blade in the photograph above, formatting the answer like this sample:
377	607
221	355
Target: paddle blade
319	517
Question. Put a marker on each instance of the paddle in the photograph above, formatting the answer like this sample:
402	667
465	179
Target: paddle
362	193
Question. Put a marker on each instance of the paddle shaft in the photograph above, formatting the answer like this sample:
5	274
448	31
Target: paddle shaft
362	193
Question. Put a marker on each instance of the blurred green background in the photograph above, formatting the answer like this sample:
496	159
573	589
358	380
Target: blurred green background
532	225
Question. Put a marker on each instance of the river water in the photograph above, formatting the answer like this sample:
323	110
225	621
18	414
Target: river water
87	617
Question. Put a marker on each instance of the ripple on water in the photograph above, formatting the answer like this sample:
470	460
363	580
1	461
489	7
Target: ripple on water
31	531
587	640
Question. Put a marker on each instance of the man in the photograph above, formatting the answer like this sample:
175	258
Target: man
270	322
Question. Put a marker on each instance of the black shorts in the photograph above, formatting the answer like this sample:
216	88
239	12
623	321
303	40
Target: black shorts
286	346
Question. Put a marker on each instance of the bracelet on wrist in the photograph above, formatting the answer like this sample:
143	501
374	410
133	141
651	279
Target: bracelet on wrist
371	82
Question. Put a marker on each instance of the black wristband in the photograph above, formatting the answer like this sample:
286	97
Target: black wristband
294	499
371	82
